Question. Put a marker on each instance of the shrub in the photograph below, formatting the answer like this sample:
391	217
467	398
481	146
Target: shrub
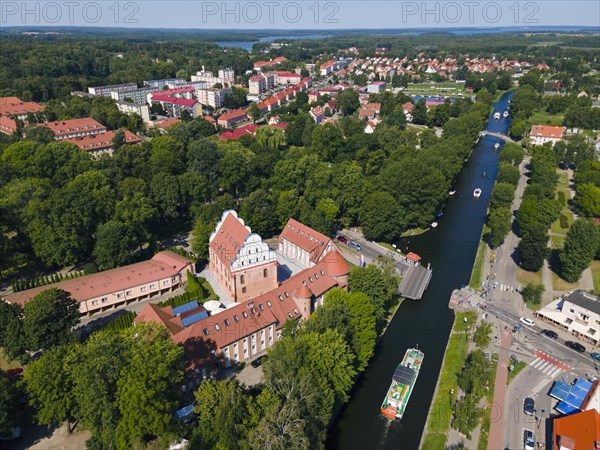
90	268
561	198
564	221
533	293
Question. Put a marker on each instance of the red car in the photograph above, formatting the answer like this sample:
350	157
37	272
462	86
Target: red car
14	372
342	239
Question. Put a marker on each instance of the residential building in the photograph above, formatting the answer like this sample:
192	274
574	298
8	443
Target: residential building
163	125
14	108
540	134
174	106
102	142
261	82
249	129
211	97
303	244
241	262
7	125
133	95
141	109
371	125
208	77
231	118
578	313
317	113
577	431
408	108
376	87
165	272
169	82
227	75
74	128
104	91
288	78
262	65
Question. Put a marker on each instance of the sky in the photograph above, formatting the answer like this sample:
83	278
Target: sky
299	14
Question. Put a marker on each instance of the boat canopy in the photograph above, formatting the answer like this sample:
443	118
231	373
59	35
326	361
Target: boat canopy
405	375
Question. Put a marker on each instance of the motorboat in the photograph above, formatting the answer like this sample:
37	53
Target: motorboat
451	193
496	116
477	193
434	224
505	114
496	146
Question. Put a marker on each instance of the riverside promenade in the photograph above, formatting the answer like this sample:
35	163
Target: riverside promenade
495	441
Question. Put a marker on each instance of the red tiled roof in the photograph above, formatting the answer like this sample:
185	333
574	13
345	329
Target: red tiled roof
12	106
306	238
249	129
162	265
229	237
63	127
232	114
101	140
546	131
577	431
408	107
7	125
168	122
174	100
413	257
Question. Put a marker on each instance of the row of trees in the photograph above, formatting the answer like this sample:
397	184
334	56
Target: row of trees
538	210
474	381
500	215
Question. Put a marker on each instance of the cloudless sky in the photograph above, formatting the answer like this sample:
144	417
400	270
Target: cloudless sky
300	14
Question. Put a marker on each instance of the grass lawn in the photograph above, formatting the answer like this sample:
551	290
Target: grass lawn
543	118
434	441
484	433
435	89
4	364
460	324
413	232
524	277
533	306
557	242
388	246
476	274
556	228
561	285
516	370
596	275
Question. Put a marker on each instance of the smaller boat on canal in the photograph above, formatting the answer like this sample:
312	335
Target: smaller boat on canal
434	224
403	381
451	193
496	146
477	193
505	114
497	116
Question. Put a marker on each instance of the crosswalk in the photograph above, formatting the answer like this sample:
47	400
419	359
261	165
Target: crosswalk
545	367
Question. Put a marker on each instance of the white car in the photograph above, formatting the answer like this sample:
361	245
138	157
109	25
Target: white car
527	321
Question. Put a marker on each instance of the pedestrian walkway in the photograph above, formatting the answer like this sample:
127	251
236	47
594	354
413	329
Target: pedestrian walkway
548	365
495	440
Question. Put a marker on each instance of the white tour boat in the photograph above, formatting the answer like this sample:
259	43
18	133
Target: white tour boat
477	193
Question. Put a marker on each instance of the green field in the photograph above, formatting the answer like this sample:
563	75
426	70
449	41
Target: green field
484	434
596	275
543	118
435	89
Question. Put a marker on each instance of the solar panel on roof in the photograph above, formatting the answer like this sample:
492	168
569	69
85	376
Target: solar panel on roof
185	308
405	375
194	318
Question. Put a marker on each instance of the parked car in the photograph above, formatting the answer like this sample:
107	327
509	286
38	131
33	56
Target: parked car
595	355
342	239
355	245
529	406
258	361
575	346
527	321
204	373
529	440
13	372
551	334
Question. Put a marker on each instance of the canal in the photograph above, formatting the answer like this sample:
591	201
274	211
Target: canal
450	249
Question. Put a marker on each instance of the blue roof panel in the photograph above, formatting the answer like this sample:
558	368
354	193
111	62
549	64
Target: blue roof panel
185	308
186	322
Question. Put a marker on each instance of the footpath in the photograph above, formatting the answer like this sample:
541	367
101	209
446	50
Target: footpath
496	436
